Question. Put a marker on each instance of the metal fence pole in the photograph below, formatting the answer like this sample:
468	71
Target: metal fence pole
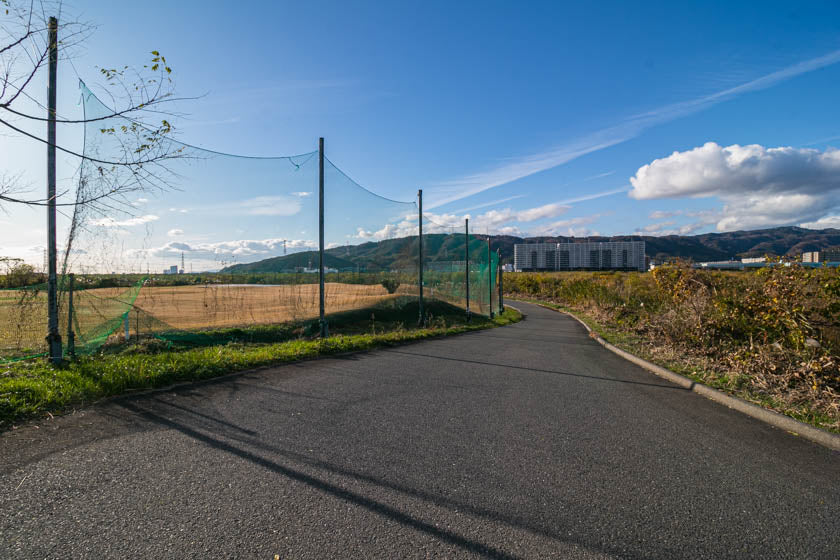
420	254
467	260
53	336
490	278
71	337
324	331
501	289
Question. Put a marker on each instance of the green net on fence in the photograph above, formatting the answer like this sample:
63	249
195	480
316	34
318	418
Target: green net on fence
97	313
221	242
446	252
202	244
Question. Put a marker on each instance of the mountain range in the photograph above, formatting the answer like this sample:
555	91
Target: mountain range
402	252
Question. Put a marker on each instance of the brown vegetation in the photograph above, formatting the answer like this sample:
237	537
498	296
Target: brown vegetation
770	335
23	319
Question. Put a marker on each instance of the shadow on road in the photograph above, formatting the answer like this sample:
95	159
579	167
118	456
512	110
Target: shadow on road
556	372
341	493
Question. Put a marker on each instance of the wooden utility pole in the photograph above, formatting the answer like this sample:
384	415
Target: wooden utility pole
53	336
324	331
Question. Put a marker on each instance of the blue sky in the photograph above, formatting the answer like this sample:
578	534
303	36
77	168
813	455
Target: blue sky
521	115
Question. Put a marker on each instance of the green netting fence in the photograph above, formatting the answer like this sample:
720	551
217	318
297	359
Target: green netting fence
219	242
97	314
446	253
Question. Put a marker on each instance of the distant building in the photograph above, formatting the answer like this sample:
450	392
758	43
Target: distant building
595	255
171	270
753	260
826	255
507	267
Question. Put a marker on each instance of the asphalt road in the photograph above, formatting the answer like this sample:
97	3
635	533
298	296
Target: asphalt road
529	441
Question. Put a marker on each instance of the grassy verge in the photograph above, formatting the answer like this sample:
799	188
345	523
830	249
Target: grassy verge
690	368
33	389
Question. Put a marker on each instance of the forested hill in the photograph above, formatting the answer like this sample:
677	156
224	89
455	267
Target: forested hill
402	253
705	247
287	263
781	241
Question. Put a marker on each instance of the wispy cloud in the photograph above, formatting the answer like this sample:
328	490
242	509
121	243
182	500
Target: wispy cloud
821	140
513	169
593	196
517	168
136	221
491	203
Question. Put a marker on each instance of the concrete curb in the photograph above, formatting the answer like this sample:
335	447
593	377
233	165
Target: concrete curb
775	419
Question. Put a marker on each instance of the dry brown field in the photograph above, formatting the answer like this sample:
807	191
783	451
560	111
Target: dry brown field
23	318
198	307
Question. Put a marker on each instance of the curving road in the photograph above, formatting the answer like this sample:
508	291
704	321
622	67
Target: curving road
529	441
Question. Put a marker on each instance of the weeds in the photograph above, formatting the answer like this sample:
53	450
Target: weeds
769	335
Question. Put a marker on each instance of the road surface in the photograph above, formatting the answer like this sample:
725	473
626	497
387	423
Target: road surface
529	441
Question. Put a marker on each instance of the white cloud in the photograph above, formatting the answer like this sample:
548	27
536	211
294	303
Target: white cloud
761	187
239	249
568	227
824	223
175	232
269	206
662	214
519	167
499	221
140	202
111	222
301	194
491	203
661	230
651	228
546	211
593	196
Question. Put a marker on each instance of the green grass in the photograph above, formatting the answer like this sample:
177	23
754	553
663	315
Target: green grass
34	388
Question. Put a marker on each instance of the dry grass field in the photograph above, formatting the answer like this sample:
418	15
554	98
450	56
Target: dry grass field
198	307
23	318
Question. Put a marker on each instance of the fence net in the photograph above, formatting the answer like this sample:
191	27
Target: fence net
447	249
200	241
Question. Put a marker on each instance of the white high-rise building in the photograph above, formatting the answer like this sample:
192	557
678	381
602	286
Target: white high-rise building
591	255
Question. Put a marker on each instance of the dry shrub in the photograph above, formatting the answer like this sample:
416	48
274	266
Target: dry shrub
771	333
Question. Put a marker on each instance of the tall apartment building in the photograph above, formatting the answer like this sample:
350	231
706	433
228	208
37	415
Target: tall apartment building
592	255
826	255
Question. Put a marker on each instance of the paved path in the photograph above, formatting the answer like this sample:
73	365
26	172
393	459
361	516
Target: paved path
529	441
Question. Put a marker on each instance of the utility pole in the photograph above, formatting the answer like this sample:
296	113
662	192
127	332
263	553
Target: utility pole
324	331
467	260
490	277
53	336
420	253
